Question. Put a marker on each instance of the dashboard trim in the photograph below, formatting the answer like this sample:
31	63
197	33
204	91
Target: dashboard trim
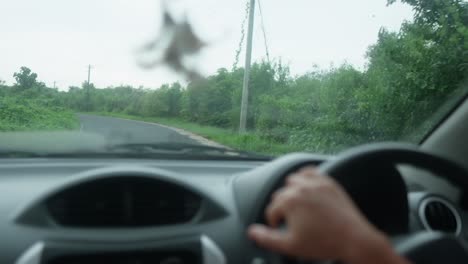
211	253
32	255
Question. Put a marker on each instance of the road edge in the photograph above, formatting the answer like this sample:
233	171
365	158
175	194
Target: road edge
183	132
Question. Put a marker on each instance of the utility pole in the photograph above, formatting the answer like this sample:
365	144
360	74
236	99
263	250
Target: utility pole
248	59
88	103
54	85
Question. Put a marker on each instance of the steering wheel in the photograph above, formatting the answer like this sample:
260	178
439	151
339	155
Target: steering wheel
369	175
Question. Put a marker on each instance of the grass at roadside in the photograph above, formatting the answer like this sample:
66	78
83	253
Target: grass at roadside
27	115
247	142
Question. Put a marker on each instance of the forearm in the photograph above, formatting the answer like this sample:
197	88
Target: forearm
375	249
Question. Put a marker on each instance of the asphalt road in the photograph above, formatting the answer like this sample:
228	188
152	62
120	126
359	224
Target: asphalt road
119	131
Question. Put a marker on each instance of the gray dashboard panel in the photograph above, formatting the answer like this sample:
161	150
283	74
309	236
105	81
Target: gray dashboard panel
236	185
22	181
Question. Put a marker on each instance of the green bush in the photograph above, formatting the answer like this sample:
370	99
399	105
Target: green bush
19	114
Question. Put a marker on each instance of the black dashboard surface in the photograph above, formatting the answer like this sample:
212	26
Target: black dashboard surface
238	189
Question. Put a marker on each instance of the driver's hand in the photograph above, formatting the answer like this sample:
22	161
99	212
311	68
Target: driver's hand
322	223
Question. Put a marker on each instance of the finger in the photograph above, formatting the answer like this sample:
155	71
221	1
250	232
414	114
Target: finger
277	209
277	193
275	212
298	180
269	238
307	170
307	174
310	172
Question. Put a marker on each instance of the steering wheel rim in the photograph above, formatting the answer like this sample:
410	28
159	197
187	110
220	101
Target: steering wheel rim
347	169
397	153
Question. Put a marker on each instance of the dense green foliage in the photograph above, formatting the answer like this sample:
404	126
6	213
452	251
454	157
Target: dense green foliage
30	106
409	75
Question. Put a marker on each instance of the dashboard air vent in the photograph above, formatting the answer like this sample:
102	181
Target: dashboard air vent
123	202
439	215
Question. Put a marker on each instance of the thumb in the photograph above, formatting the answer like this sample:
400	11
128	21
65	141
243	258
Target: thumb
272	239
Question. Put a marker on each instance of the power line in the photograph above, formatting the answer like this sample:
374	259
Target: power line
241	42
267	50
264	31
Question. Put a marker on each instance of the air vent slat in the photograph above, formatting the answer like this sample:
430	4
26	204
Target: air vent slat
439	215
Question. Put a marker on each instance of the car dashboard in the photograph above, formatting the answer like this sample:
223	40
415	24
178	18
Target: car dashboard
67	211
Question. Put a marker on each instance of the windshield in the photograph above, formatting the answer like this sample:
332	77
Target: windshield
268	77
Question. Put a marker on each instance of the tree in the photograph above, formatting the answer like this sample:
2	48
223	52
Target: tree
413	71
435	46
175	99
25	78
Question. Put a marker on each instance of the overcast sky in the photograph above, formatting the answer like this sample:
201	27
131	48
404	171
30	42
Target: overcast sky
58	38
